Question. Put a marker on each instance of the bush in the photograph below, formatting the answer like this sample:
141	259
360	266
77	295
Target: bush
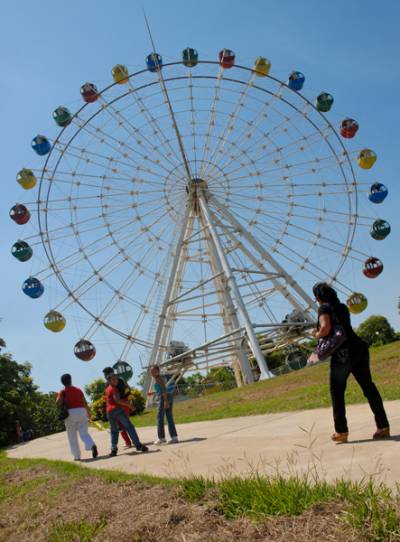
137	400
96	389
98	409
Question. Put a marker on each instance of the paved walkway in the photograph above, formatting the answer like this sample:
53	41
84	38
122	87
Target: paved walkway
289	442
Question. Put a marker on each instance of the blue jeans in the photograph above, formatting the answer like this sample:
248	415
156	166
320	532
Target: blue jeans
118	415
170	418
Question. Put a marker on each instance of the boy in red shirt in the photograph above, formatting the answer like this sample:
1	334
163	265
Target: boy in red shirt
115	413
123	389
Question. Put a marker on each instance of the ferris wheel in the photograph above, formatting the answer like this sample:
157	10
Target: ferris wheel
189	207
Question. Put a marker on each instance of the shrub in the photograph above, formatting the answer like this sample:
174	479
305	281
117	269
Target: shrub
98	409
137	400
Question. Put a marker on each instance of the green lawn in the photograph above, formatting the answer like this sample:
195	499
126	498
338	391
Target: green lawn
305	389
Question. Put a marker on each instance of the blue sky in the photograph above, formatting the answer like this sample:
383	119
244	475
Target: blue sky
49	49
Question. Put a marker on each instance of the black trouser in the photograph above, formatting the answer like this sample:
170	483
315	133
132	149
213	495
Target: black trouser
343	363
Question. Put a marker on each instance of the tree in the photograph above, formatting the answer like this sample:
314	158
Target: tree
45	415
376	330
96	389
194	383
222	377
142	378
21	401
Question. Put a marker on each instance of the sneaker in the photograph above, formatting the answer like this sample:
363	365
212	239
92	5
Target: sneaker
95	453
340	437
160	441
113	453
142	448
381	433
173	440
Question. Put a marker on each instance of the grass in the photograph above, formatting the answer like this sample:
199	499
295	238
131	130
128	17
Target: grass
369	508
71	531
300	390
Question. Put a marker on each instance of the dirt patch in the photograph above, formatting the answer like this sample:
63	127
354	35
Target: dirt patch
137	512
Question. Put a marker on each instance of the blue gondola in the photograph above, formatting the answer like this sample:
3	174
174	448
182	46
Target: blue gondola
32	287
377	193
41	145
154	62
296	81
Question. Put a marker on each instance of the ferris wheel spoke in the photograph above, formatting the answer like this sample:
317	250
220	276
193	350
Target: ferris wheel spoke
265	139
230	125
193	121
110	160
297	227
84	249
305	144
211	121
288	167
266	136
157	130
114	300
135	133
253	124
174	124
265	142
305	260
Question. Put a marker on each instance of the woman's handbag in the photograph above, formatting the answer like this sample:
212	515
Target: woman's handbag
63	410
328	345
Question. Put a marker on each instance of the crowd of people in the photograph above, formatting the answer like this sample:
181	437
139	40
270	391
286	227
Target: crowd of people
75	412
349	356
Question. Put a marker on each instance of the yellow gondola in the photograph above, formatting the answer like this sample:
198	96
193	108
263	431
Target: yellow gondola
366	158
357	303
262	66
120	74
26	178
54	321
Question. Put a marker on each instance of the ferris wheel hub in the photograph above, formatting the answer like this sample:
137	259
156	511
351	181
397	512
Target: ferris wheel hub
196	183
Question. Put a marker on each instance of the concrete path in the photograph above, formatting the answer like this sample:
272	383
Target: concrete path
288	442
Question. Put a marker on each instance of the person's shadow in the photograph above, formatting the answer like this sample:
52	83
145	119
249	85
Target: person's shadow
122	453
180	441
361	441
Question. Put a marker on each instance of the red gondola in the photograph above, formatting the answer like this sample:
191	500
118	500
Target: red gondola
372	267
226	58
348	128
89	92
20	214
84	350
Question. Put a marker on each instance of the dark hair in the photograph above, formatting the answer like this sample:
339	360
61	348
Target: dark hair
325	293
66	380
107	371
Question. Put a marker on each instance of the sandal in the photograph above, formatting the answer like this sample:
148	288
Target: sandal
340	437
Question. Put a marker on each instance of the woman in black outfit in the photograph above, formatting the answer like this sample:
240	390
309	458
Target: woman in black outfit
351	357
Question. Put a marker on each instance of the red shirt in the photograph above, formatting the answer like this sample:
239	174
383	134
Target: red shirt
110	401
73	397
